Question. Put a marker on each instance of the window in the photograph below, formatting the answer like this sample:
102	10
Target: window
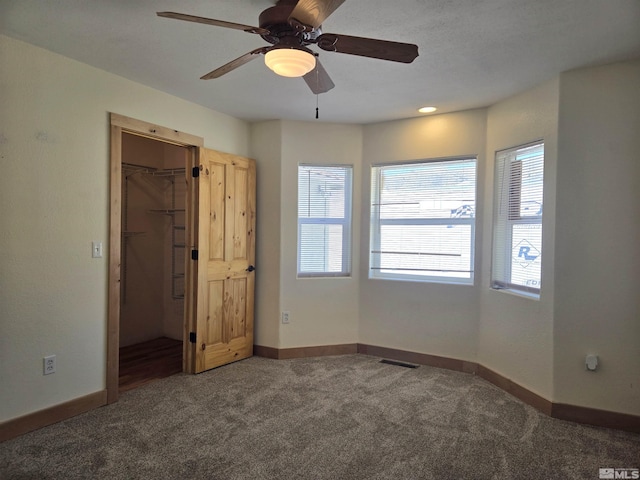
324	220
517	228
423	221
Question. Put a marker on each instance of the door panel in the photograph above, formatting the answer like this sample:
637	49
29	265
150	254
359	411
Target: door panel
216	220
240	209
214	326
226	223
237	307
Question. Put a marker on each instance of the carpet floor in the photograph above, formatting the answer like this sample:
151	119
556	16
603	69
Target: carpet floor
345	418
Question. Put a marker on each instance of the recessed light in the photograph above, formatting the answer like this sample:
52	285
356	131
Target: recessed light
427	109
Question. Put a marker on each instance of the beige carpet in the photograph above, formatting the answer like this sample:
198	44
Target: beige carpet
346	417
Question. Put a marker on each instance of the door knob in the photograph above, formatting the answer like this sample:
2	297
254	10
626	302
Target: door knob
250	268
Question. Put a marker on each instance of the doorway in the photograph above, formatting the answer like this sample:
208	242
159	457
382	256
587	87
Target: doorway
215	230
151	227
152	261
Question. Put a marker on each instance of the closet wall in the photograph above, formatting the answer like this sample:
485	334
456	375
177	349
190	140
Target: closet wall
153	240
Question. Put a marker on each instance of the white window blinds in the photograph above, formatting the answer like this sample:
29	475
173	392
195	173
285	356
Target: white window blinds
324	220
423	221
517	229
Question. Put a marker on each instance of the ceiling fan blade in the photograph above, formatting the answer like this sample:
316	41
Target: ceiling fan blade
311	13
368	47
233	64
318	79
211	21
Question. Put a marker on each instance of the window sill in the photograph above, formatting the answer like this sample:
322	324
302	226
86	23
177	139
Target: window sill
440	281
517	293
324	277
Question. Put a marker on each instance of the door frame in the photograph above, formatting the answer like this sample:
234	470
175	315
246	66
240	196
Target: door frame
120	124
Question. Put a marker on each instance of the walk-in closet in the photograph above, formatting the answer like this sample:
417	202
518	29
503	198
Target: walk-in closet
152	259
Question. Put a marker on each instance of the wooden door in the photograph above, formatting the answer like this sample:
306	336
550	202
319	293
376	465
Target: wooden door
225	230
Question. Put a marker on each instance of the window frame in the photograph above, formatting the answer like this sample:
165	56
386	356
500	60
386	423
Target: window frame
506	199
374	268
346	223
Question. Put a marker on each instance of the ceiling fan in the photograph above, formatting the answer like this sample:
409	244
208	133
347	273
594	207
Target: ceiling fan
290	26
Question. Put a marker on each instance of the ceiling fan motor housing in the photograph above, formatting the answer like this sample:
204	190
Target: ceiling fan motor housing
276	20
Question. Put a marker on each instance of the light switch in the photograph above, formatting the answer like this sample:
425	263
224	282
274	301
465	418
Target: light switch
96	250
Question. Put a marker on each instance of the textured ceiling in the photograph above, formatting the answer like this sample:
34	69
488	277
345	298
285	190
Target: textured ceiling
472	53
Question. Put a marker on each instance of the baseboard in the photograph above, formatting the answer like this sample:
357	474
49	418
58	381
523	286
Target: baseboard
267	352
42	418
305	352
518	391
599	418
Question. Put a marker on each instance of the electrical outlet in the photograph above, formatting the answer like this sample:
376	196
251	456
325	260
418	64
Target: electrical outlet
49	366
285	317
591	362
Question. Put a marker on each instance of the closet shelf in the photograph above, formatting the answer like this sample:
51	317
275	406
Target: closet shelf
169	172
178	227
132	234
179	245
178	275
167	211
131	169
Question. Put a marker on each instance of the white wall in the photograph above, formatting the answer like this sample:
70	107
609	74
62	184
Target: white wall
266	148
428	318
515	336
324	311
54	152
597	301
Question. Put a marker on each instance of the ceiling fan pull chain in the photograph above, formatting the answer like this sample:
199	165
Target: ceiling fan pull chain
318	86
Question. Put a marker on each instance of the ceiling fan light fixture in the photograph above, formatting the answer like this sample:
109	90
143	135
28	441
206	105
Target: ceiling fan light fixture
290	62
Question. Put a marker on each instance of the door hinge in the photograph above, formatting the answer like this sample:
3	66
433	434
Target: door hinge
195	172
192	337
194	254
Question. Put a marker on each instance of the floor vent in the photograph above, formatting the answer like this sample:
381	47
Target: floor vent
399	364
